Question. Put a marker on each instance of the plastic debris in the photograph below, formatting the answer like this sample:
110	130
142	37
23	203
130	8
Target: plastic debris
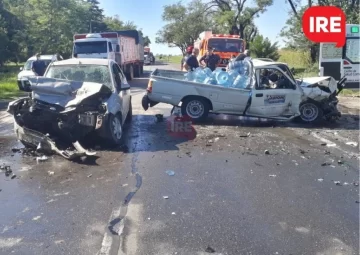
337	183
272	175
267	152
42	158
320	180
326	164
209	250
165	197
51	173
13	176
89	175
170	173
245	135
173	213
352	144
340	162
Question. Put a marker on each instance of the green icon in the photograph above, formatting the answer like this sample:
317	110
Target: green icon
354	29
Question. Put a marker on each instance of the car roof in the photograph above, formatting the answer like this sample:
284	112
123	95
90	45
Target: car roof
84	61
260	63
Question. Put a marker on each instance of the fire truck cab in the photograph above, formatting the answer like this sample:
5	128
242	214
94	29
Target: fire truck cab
224	45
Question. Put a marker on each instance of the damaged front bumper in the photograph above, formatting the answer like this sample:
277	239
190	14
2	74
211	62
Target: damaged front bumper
34	138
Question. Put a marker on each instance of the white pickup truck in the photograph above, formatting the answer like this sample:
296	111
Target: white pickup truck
287	98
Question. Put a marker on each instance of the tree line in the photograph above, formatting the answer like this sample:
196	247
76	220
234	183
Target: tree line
48	26
184	23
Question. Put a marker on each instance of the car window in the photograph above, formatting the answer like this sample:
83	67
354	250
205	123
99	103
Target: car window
271	78
88	73
352	50
122	76
117	76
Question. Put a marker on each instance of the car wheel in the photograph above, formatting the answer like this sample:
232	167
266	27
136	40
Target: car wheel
115	129
310	112
195	108
129	115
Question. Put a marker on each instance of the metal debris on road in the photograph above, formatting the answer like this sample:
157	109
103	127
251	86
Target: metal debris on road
340	162
272	175
165	197
159	117
345	183
216	139
337	183
170	173
89	175
245	135
51	173
42	158
320	180
13	176
209	250
326	164
267	152
173	213
15	150
356	184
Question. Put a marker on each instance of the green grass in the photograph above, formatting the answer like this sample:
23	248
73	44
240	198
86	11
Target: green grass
350	93
8	83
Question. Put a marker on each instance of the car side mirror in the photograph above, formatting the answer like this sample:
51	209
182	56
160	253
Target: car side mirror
21	68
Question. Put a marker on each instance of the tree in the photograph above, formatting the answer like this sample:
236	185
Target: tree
147	41
96	17
236	16
263	48
292	32
184	24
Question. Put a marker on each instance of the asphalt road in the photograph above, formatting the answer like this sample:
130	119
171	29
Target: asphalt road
227	196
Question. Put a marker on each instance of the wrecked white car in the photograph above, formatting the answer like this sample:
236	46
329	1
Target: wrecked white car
76	99
272	92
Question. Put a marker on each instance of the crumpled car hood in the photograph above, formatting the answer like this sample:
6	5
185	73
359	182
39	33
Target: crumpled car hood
63	92
325	81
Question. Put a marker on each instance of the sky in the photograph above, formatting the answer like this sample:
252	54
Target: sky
148	18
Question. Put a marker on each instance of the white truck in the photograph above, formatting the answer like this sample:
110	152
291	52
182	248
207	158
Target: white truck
309	100
124	47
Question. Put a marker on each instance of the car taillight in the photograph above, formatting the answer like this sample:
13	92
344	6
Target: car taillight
149	87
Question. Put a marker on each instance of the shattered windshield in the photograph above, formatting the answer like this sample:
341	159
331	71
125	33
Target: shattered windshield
88	73
225	45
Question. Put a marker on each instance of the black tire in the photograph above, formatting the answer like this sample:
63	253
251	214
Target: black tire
137	71
310	113
129	115
114	121
196	108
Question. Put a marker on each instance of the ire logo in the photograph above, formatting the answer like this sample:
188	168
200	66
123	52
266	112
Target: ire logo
325	24
180	127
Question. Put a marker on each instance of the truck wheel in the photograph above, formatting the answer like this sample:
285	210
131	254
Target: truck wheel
196	108
310	113
116	130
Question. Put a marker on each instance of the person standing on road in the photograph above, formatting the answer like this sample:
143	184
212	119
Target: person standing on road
211	60
192	63
187	55
38	66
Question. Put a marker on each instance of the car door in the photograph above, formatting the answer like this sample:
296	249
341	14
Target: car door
123	90
278	101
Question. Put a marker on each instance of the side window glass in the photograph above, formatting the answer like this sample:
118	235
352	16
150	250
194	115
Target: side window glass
273	79
122	76
110	47
116	77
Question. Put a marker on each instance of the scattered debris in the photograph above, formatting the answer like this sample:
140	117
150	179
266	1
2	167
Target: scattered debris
326	164
15	150
345	183
320	180
209	250
352	144
89	175
8	171
272	175
210	141
51	173
165	197
42	158
173	213
302	151
340	162
267	152
13	176
159	117
323	144
170	173
357	202
36	218
245	135
337	183
356	184
216	139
